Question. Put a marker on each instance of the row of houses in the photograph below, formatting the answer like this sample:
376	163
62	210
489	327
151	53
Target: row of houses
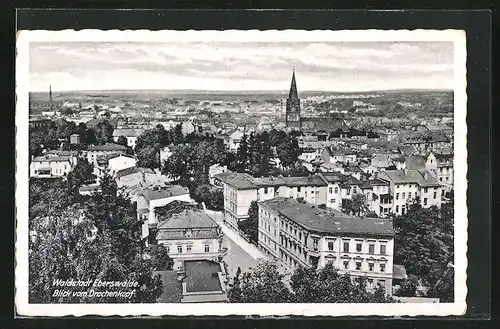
386	194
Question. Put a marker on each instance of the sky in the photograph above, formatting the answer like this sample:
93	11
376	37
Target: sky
239	66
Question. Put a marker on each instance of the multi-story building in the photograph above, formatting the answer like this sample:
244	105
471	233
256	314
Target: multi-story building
378	198
441	167
406	185
93	151
299	234
190	235
241	189
131	134
51	166
150	198
113	163
330	155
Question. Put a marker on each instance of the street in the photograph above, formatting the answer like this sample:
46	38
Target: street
240	252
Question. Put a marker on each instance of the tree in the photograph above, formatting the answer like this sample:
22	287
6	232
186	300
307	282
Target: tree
98	237
264	284
250	226
242	155
328	286
103	132
81	174
122	140
159	257
408	287
355	206
424	243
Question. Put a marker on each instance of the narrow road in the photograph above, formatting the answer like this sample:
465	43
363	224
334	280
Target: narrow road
240	252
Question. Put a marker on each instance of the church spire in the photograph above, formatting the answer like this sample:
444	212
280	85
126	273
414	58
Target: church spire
293	87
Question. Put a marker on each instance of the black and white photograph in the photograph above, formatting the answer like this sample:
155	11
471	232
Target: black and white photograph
247	172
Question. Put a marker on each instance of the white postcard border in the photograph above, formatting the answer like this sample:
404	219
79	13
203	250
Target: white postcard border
23	308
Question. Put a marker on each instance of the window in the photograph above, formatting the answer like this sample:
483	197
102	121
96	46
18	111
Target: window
330	245
179	249
370	267
382	267
336	190
404	195
188	248
409	195
346	264
370	281
332	200
358	247
298	189
167	248
265	190
274	232
371	248
403	209
348	190
383	249
358	266
435	195
440	179
397	197
315	244
207	248
330	260
381	283
346	246
425	190
330	190
300	235
397	209
425	201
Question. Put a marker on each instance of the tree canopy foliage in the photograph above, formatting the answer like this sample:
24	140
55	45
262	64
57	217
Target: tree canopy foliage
86	238
250	226
265	284
424	241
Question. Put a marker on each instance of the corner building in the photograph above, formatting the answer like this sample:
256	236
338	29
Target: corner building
298	234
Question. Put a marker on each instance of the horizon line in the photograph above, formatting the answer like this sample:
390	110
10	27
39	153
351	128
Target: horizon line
246	91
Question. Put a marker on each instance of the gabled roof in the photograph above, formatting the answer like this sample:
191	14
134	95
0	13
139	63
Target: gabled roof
422	178
52	158
414	162
326	220
188	218
127	132
162	192
107	147
239	181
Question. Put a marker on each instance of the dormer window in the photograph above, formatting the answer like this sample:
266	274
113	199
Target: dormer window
189	233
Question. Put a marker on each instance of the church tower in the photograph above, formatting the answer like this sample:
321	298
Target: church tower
293	106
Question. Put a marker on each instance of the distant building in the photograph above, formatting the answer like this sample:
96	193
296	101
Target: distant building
93	151
74	139
40	123
407	184
234	141
113	163
130	134
51	166
441	167
307	125
299	234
